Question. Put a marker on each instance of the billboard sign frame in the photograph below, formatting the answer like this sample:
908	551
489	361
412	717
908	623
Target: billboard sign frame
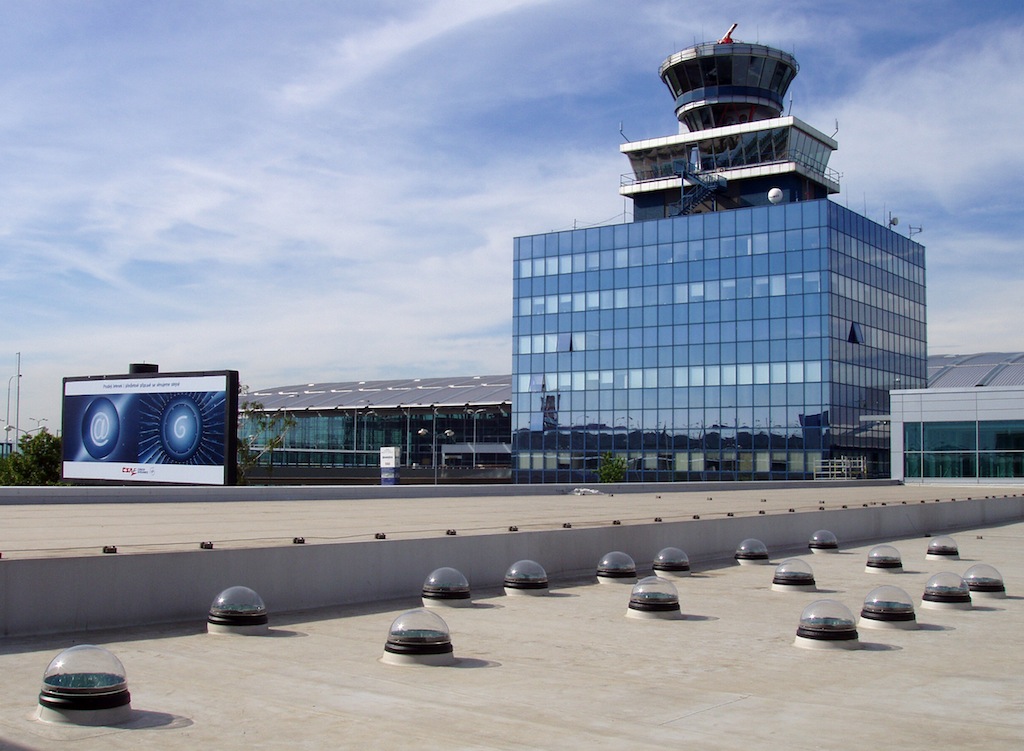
151	428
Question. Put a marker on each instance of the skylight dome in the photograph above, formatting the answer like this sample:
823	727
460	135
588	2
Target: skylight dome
888	607
946	591
419	637
671	562
942	549
446	587
654	598
526	578
985	582
752	552
616	568
793	575
823	541
884	559
85	685
827	624
237	610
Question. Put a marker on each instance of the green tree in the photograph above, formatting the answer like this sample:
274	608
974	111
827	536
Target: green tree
261	432
611	468
37	461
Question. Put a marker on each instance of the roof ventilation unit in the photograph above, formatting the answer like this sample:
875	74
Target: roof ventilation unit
237	610
946	591
985	582
794	575
943	549
85	685
654	598
823	541
616	568
884	559
752	552
827	624
446	587
419	637
888	607
671	562
524	578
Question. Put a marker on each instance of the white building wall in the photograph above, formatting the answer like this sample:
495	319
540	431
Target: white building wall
981	404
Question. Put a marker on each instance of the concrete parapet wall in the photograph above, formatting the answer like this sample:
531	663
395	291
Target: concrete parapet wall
257	493
66	594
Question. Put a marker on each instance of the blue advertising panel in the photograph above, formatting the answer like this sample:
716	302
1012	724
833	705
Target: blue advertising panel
155	428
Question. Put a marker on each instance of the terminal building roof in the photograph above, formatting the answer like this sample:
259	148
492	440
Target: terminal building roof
944	371
414	393
969	371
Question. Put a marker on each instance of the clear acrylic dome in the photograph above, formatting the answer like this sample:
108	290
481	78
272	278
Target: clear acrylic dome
981	578
238	601
884	557
943	546
419	637
85	685
827	620
946	590
752	549
888	603
671	559
653	593
84	669
616	564
823	540
419	626
793	572
526	574
446	581
946	582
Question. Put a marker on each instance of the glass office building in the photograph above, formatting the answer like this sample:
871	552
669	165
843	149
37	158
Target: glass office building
743	326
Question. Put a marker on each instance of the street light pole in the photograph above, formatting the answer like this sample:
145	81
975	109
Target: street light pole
7	417
474	413
17	407
433	443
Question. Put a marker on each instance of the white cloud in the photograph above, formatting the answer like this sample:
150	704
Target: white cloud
357	56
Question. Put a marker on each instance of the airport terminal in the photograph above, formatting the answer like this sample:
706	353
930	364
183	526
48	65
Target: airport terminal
340	427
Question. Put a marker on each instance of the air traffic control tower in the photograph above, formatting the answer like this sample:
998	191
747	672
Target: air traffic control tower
742	326
735	145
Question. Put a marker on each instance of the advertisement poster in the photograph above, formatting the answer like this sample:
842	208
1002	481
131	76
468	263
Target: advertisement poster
159	428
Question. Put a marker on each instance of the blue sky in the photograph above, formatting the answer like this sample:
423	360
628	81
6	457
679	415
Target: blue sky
313	190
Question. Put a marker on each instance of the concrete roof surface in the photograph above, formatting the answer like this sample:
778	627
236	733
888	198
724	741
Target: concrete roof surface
75	529
570	670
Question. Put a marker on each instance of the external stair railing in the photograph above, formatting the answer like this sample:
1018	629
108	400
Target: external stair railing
703	185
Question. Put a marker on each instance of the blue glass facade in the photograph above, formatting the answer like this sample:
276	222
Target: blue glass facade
737	344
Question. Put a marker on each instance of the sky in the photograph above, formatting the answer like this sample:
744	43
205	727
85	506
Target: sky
326	191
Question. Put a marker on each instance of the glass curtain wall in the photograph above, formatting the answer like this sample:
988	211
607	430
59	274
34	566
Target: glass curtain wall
353	438
877	328
708	347
993	449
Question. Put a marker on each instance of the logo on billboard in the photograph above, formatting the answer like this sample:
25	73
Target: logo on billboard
181	428
100	428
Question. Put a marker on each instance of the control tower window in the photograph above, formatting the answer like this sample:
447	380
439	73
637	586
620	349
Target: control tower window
724	67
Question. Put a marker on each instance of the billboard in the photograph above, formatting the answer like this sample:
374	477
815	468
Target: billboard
164	428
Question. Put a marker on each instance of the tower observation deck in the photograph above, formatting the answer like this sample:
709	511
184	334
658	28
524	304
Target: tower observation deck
734	143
